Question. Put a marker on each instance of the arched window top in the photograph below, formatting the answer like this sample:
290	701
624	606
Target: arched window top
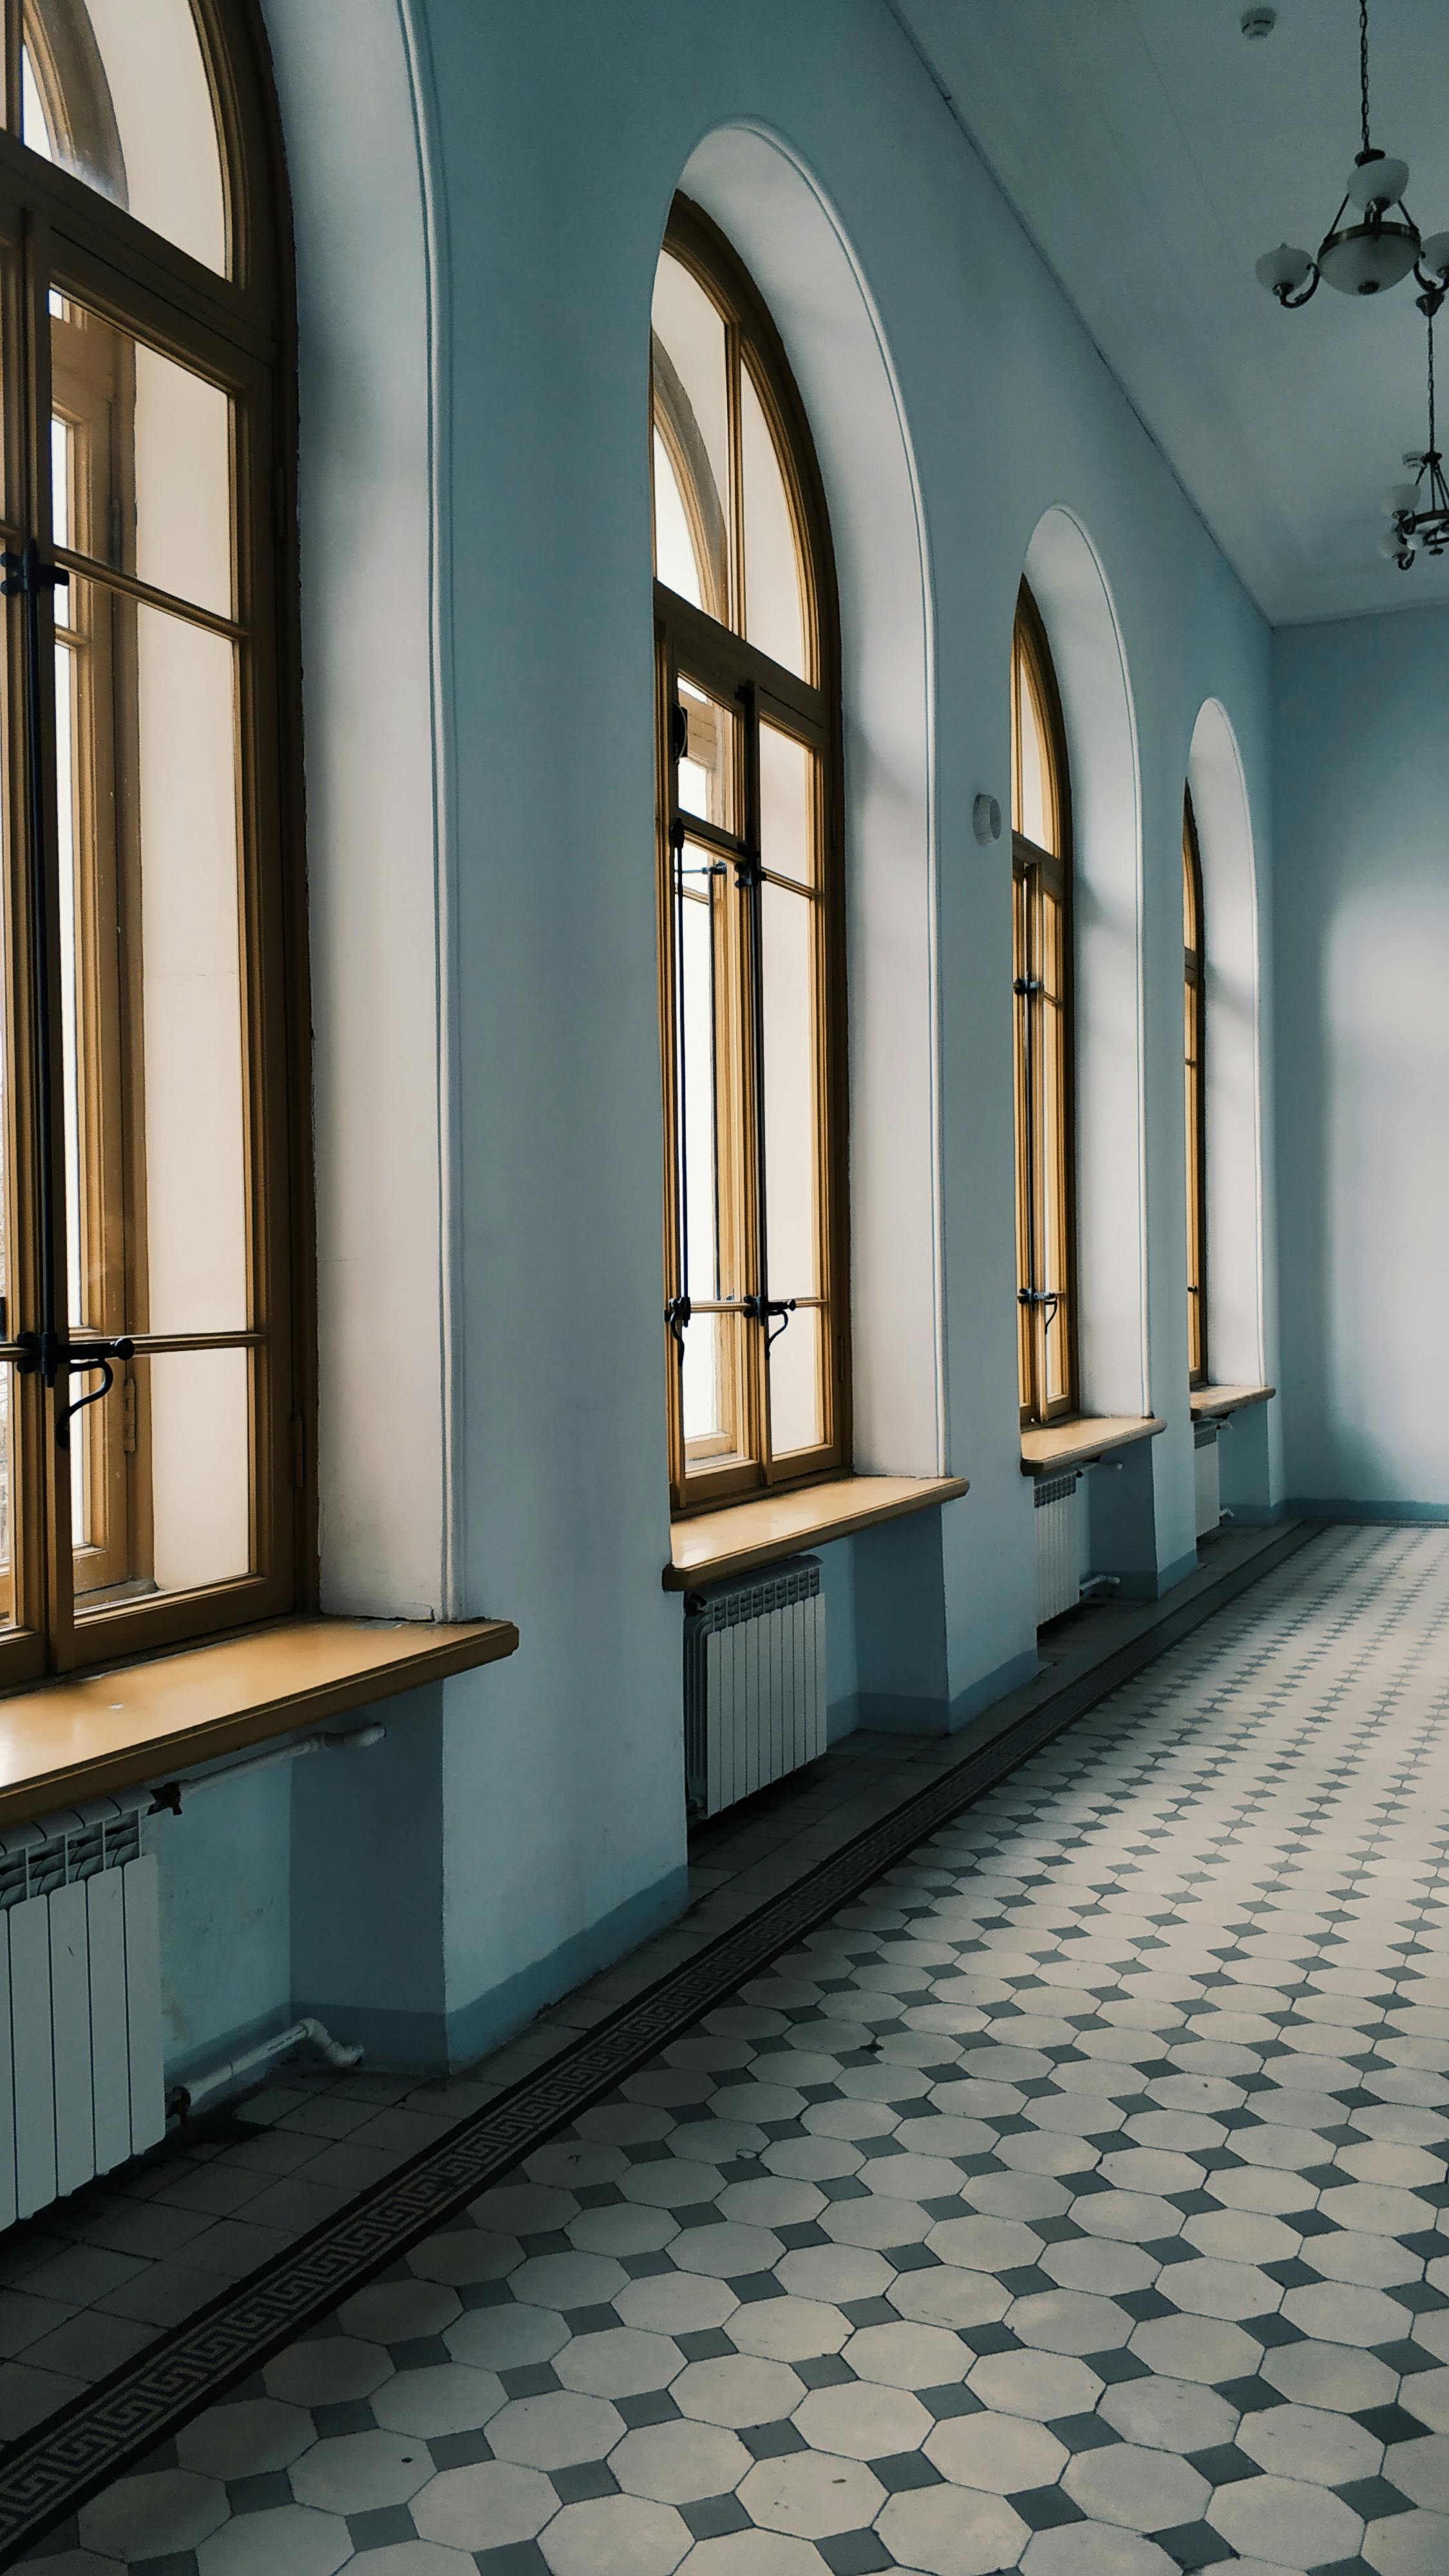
122	94
737	512
1038	768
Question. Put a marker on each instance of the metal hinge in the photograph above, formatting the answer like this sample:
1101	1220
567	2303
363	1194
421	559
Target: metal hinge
299	1452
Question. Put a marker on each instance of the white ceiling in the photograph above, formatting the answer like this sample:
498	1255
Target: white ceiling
1153	153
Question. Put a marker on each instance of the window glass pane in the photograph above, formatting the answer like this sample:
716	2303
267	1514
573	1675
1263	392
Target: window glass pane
774	606
708	768
675	563
787	806
792	1113
1035	817
7	1489
796	1411
116	91
691	418
699	1106
714	1391
1053	1150
149	483
153	1002
174	1435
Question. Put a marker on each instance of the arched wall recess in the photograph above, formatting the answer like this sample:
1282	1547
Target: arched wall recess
1070	589
377	752
791	241
1219	793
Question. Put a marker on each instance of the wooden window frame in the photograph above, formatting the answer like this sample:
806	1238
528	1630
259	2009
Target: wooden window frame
1194	1016
57	233
1045	1119
691	644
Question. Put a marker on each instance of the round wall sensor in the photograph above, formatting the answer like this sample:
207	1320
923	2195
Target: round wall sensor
1258	23
986	817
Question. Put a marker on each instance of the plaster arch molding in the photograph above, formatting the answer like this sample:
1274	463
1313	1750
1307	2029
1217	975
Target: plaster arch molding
1071	590
1219	794
785	230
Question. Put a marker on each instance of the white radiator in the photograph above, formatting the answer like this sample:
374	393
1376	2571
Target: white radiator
80	2003
754	1683
1205	1476
1058	1523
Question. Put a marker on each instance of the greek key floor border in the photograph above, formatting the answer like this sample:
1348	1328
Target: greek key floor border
50	2472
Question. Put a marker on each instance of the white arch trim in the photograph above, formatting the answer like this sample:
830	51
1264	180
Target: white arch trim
1071	590
795	247
1236	1339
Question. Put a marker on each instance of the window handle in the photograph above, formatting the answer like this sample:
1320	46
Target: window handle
762	1308
1035	1297
56	1359
1025	984
677	1312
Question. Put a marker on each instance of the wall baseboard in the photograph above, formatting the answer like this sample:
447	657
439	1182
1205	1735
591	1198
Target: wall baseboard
1434	1515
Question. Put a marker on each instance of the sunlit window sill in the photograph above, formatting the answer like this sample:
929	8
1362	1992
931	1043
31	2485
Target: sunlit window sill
1059	1445
65	1741
771	1526
1215	1403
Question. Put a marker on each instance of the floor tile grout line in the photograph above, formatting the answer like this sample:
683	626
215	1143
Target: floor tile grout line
113	2425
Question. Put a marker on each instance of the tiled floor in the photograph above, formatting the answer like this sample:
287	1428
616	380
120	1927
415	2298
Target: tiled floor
96	2278
1074	2201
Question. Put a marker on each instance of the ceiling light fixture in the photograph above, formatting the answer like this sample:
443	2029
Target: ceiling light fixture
1379	245
1420	510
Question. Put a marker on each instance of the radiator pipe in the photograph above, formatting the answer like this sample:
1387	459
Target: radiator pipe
168	1793
182	2100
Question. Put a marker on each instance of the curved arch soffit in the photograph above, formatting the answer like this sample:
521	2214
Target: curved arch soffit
355	100
780	220
1071	590
1218	787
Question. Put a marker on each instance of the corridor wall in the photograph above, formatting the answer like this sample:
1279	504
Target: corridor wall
512	169
1361	899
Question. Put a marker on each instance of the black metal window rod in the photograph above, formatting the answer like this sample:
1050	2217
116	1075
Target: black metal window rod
28	577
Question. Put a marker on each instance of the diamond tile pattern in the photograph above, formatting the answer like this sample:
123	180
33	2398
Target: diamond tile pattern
1073	2201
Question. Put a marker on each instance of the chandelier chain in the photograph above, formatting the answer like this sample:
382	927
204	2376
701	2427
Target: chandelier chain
1363	72
1433	433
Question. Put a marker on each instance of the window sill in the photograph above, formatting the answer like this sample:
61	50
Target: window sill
771	1526
1076	1443
65	1741
1215	1403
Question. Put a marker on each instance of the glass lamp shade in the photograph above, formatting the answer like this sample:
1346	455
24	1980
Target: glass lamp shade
1284	268
1434	256
1366	258
1399	496
1377	182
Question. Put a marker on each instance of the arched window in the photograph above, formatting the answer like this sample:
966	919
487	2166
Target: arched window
1041	844
749	876
152	1418
1195	1098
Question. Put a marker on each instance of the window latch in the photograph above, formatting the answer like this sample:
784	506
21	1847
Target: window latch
1025	984
760	1309
677	1311
1041	1297
56	1358
678	731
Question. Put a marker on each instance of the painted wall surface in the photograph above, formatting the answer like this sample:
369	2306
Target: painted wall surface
481	790
1362	903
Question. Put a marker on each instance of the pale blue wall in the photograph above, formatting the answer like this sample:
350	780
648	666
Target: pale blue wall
1362	904
543	1806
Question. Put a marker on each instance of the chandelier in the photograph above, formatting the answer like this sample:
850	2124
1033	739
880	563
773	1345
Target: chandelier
1419	511
1379	244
